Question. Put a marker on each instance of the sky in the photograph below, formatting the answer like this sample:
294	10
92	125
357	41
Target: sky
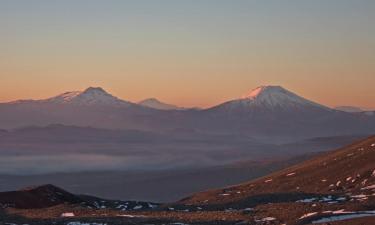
189	53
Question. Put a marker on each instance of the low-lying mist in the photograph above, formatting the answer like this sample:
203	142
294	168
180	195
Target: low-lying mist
44	164
53	149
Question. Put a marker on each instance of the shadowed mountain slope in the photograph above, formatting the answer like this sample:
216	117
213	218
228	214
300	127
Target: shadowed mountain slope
348	169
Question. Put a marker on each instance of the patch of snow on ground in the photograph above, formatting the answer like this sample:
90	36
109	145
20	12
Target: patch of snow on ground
80	223
268	219
359	196
307	200
131	216
332	202
308	215
329	199
344	217
326	199
122	207
269	180
290	174
368	187
138	207
67	214
341	211
341	199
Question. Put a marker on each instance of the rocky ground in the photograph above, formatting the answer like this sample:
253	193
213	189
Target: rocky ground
335	188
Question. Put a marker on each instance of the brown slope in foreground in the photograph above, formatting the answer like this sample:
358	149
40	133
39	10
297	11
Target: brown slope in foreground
344	170
343	179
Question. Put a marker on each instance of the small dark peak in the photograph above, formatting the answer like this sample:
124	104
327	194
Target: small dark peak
35	197
95	90
150	100
56	125
43	187
153	99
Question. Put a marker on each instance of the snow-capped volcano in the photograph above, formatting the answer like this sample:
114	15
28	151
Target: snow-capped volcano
156	104
276	96
271	98
90	96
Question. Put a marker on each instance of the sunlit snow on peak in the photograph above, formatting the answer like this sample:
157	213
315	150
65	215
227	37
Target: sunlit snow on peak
261	89
272	97
90	96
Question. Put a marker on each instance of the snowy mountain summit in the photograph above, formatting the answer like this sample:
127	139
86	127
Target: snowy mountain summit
90	96
276	96
271	98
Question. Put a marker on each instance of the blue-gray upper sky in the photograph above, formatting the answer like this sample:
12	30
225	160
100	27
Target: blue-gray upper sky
189	52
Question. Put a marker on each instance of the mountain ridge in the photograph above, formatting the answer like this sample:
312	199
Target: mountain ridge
157	104
268	111
351	109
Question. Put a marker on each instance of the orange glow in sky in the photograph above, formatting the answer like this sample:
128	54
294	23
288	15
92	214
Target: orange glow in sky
189	53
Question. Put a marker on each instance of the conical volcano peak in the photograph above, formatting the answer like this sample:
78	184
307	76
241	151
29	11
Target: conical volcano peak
272	97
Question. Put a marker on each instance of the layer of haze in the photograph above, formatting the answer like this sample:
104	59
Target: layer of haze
190	53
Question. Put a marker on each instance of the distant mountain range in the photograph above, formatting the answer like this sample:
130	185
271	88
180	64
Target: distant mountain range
352	109
60	148
266	112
